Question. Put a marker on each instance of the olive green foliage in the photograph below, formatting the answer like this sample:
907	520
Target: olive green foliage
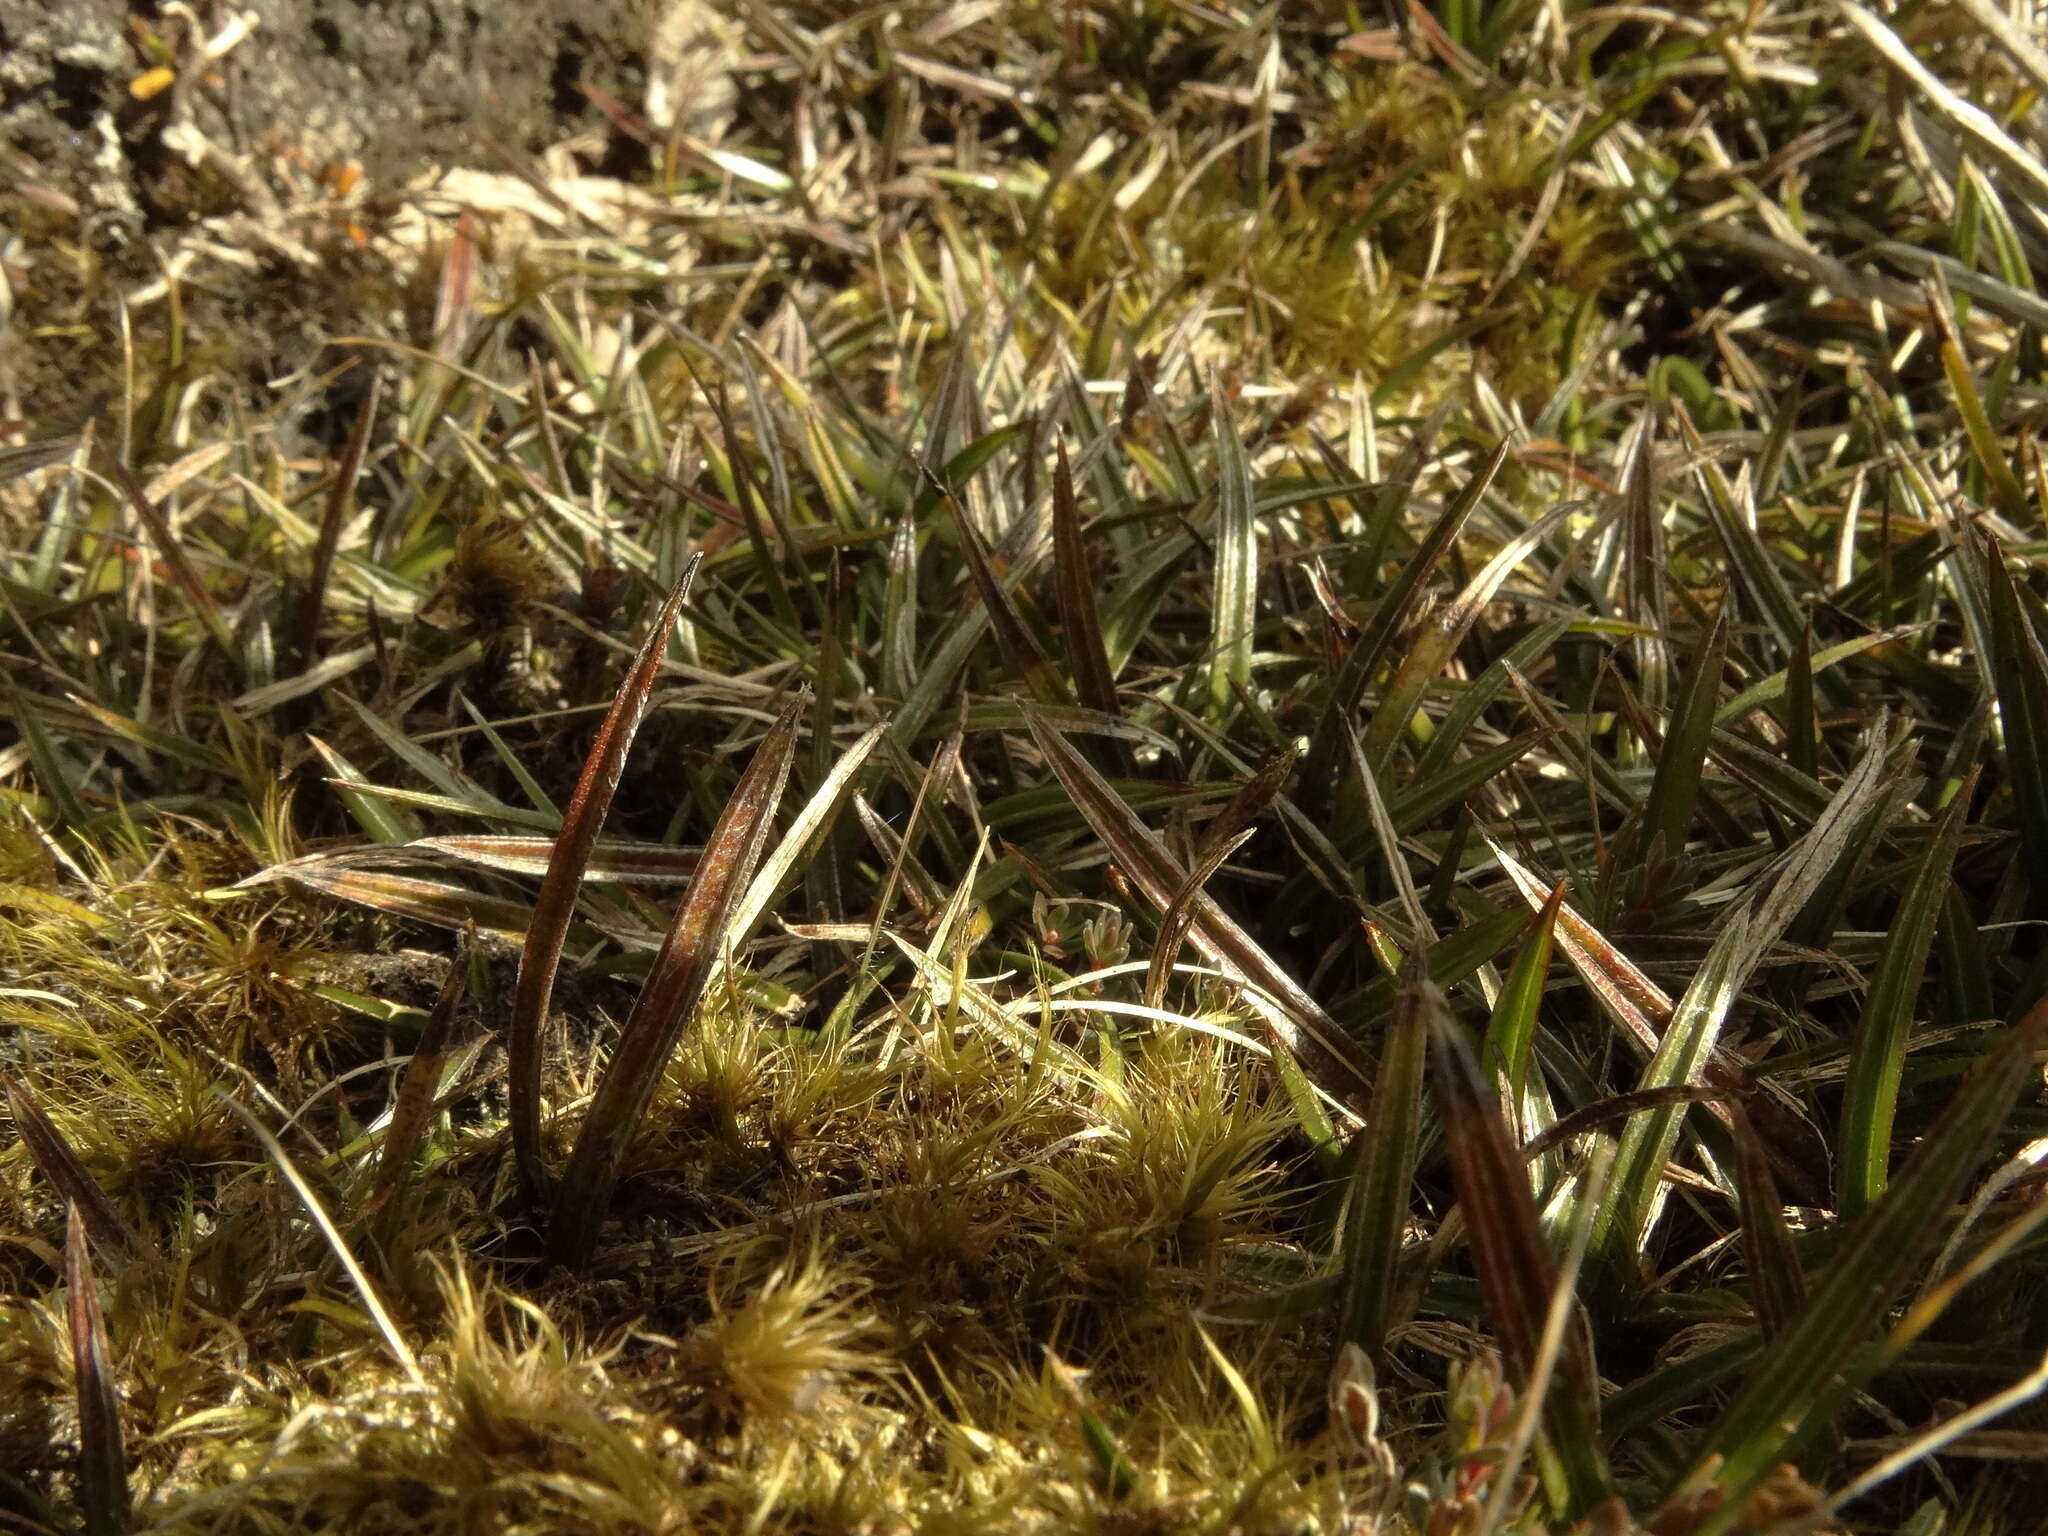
1344	829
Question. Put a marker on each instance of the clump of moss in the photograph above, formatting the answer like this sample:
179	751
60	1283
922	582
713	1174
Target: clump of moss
1311	513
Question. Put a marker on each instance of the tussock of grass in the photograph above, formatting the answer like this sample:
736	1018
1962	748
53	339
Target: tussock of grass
1549	611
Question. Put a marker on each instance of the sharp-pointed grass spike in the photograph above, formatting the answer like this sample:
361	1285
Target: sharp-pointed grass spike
553	906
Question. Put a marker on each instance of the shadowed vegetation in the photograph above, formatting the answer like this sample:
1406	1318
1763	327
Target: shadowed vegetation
1139	767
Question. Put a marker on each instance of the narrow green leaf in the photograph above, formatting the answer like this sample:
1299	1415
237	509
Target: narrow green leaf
384	823
51	771
808	831
1396	603
1077	595
947	481
183	573
1428	652
481	807
1180	912
2019	669
1476	697
1776	1281
1376	1206
1416	806
1299	1021
1021	651
1452	959
1309	1113
1682	759
1234	606
1511	1032
178	748
1989	453
1878	1057
1823	1356
1753	566
1757	921
611	859
431	768
394	1341
529	786
1634	1001
899	612
313	599
1802	723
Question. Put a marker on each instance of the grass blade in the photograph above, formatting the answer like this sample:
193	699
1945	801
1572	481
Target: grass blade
1637	1003
1376	1208
1234	603
435	902
1395	604
1517	1275
383	822
807	832
1299	1021
555	903
1877	1060
682	969
1511	1032
102	1459
1094	682
2019	669
1682	759
1822	1356
1180	912
1021	650
1758	921
51	770
1966	119
1777	1283
54	1159
174	557
611	859
1445	631
313	600
337	1244
1559	1325
415	1102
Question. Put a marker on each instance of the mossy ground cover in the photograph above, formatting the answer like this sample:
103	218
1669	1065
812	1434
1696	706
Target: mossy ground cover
1136	767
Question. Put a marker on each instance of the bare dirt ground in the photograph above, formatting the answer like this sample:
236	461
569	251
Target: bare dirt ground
131	133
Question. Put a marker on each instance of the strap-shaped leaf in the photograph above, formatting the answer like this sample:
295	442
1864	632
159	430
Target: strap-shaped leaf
60	1166
1316	1039
555	903
1824	1354
1094	682
1376	1203
1878	1057
1688	1042
102	1458
1682	757
1391	612
1517	1274
1233	609
682	968
1427	652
